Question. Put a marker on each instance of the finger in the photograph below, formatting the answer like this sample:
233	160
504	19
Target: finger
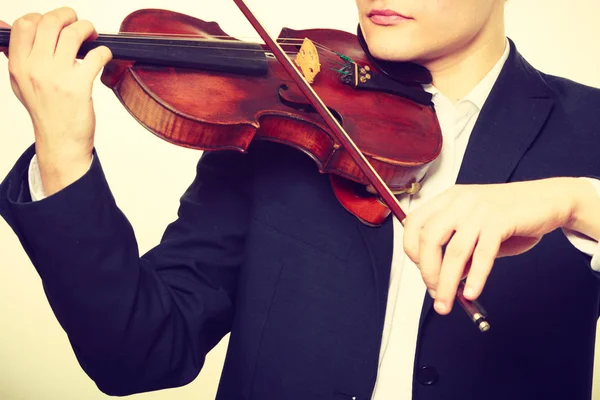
484	256
419	218
48	31
432	239
456	257
94	61
22	36
70	40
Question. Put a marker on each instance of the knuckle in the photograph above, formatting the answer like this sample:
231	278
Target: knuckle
490	245
24	24
429	235
71	34
51	21
455	253
425	240
69	11
13	70
87	25
485	249
70	91
412	254
430	278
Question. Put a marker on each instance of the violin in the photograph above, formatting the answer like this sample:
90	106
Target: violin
367	123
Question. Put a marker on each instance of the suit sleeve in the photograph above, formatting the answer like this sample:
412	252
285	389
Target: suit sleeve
137	323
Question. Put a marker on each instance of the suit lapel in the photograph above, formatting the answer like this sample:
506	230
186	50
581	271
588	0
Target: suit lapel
510	120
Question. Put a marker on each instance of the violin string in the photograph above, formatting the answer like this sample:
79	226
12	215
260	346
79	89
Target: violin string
185	36
197	43
329	54
195	37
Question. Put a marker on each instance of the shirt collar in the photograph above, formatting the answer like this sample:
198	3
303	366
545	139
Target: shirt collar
478	95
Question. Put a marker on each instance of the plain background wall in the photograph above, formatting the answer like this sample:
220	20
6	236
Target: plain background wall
148	175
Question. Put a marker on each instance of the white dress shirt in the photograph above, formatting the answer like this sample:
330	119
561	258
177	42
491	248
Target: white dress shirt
406	291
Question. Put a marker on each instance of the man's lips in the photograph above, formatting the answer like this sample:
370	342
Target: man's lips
386	17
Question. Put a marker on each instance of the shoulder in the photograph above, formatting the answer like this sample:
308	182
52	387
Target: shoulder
575	106
578	102
570	93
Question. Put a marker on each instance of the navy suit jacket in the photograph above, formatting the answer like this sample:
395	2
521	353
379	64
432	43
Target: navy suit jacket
262	249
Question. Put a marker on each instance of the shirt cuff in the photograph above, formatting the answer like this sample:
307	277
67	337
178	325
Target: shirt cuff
36	188
584	243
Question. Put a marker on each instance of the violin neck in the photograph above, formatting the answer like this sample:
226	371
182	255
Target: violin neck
207	54
4	38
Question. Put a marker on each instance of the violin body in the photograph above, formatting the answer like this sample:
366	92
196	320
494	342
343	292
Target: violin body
215	110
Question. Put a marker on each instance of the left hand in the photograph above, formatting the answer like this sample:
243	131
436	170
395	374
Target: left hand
478	223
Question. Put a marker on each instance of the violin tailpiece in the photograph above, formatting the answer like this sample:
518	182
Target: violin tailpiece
364	78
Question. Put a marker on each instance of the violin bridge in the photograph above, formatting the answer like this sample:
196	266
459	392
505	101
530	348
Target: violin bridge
307	60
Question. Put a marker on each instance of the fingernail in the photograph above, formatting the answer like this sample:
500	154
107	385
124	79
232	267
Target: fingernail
440	307
432	293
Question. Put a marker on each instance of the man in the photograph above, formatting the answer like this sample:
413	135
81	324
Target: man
320	306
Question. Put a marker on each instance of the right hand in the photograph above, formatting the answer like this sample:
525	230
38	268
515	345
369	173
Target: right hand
56	90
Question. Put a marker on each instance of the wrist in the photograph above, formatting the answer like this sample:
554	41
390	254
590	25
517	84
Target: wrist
59	169
585	208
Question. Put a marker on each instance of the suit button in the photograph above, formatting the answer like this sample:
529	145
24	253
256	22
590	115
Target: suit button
427	375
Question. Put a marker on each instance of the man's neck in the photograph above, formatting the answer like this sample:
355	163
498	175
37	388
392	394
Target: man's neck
455	76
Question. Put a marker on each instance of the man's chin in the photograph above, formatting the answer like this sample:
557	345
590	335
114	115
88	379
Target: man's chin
393	53
391	48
